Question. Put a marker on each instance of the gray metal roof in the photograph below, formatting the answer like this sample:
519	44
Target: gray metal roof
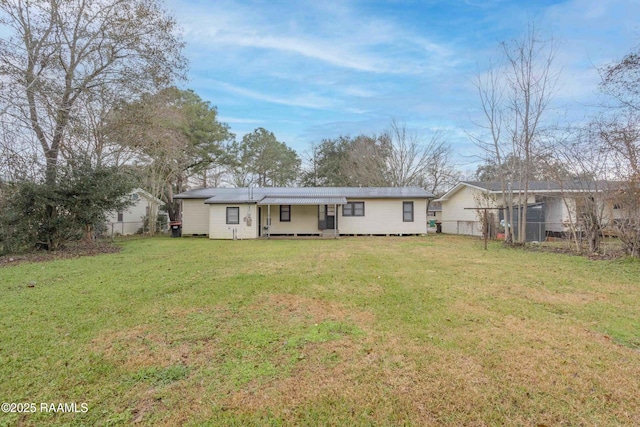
540	187
303	201
199	193
552	186
256	194
435	206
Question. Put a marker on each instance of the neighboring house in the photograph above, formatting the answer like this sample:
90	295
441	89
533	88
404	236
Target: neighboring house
131	220
249	213
551	206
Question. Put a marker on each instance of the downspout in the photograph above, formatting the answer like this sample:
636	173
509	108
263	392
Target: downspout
335	221
426	223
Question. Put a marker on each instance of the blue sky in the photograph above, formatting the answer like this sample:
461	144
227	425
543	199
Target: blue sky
308	70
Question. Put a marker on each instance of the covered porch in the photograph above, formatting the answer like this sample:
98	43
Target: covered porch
299	216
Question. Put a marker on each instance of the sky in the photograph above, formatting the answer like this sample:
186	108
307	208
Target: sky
309	70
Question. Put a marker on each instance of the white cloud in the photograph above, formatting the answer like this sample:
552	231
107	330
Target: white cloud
339	37
307	101
359	92
336	67
315	49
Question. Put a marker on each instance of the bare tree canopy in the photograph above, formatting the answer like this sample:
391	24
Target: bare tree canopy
414	160
619	131
62	51
514	95
622	80
365	163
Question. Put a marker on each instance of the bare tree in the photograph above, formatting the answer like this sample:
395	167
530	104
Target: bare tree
61	51
441	173
620	133
514	97
19	155
408	156
531	83
89	132
365	162
491	89
583	182
621	138
414	160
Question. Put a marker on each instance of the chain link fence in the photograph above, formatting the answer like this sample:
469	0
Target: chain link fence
128	228
557	235
536	231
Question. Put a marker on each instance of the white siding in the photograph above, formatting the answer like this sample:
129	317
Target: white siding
304	220
132	218
246	229
384	216
195	217
557	214
458	220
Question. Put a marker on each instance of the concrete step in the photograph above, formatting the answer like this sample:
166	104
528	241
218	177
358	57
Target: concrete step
330	233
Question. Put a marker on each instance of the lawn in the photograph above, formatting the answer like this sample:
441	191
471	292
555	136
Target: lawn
357	331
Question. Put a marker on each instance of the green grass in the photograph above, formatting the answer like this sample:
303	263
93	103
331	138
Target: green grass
357	331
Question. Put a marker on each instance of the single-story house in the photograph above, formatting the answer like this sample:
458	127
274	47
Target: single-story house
132	219
249	213
551	206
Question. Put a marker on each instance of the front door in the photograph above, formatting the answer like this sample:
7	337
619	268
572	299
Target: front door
331	217
322	217
326	217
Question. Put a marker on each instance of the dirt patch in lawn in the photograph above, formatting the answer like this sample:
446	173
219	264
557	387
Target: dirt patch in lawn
546	296
72	250
610	252
313	310
140	347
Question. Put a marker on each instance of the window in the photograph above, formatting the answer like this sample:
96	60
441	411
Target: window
431	213
617	206
285	213
233	215
353	209
134	197
407	211
120	216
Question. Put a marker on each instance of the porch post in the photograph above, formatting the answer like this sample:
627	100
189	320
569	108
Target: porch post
268	221
335	221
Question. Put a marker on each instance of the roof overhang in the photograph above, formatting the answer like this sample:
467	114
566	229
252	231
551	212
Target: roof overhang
459	186
221	200
303	201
